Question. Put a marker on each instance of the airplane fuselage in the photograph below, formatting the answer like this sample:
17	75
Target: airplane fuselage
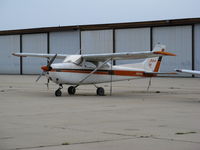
72	74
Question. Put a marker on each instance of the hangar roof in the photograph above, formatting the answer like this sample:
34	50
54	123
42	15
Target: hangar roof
173	22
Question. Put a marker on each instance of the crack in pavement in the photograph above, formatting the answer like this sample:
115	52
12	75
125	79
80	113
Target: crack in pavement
150	136
86	142
128	137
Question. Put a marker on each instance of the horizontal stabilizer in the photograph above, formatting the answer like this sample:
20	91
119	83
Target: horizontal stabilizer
153	74
188	71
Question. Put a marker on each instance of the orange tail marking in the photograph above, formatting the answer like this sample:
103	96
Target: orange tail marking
157	67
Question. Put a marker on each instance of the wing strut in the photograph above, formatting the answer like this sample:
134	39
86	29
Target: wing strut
92	72
111	77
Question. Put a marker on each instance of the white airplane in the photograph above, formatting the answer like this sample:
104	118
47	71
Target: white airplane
195	72
83	69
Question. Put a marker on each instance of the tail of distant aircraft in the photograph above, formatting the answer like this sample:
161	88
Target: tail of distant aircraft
153	64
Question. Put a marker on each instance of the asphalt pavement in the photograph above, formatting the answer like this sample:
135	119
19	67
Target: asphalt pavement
165	116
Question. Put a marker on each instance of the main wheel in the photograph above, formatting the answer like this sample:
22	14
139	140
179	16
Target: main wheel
58	92
100	91
71	90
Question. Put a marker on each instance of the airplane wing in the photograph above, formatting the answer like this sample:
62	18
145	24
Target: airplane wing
59	56
125	55
105	56
188	71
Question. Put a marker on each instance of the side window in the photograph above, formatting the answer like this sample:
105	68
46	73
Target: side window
89	64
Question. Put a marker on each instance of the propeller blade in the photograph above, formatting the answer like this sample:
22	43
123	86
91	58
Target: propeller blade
48	83
51	61
38	78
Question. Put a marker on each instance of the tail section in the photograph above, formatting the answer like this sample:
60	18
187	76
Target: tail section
153	64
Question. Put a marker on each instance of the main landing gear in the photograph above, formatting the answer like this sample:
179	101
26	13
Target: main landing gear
72	90
100	91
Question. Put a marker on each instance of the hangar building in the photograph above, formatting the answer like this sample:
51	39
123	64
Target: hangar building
181	36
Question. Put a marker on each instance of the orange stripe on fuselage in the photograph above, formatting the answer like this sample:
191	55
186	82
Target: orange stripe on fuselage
106	72
128	73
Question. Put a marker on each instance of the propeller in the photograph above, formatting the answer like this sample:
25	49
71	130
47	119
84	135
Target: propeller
46	69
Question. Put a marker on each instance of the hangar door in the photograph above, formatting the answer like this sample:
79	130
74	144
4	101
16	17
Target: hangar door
98	41
197	46
8	63
64	43
132	40
34	43
178	40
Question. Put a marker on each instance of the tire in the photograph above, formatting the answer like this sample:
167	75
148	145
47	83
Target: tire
71	90
100	91
58	93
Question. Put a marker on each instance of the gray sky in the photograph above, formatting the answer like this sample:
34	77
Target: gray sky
21	14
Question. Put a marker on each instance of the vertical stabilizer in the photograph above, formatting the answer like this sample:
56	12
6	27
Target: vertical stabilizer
153	64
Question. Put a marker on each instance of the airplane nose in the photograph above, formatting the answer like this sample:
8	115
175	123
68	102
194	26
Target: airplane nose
45	68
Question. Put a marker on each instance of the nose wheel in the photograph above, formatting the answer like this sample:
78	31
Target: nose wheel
58	92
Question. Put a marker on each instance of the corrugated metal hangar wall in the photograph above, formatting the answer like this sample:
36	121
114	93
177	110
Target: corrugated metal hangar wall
180	39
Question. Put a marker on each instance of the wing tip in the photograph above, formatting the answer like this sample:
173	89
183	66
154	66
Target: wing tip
18	54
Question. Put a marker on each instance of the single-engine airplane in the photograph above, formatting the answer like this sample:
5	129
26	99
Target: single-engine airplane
83	69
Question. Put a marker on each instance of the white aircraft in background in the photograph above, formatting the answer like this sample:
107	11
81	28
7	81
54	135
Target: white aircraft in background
83	69
195	72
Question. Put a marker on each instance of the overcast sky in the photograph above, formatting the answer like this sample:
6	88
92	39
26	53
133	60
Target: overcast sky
21	14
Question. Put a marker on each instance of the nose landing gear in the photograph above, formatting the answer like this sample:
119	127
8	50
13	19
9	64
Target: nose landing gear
58	92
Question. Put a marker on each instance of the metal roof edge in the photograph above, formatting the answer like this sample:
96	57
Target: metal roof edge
168	22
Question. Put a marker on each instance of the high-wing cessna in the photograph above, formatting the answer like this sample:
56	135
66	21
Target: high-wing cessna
83	69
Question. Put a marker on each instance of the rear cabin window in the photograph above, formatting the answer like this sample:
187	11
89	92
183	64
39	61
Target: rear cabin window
90	64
